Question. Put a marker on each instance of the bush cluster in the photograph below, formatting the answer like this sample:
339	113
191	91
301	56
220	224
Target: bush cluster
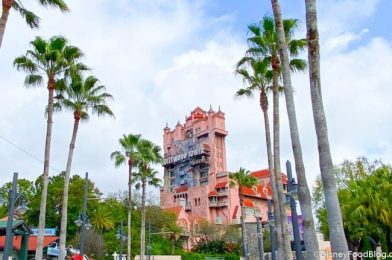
199	256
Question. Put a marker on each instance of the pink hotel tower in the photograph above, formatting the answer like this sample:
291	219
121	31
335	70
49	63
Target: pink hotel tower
196	181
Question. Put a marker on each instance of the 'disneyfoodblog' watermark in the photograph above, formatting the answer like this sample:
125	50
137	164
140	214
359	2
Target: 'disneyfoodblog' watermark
382	255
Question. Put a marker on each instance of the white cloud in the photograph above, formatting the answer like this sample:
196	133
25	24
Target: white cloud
335	15
341	41
342	22
360	79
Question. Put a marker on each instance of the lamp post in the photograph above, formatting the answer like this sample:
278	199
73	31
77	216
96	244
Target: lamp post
271	224
149	247
291	197
83	221
122	237
13	197
260	237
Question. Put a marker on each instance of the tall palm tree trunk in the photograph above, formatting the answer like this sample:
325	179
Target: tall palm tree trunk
129	253
335	222
143	227
278	175
275	200
64	212
173	244
7	4
45	177
303	189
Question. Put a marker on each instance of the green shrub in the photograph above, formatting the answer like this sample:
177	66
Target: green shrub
217	247
199	256
210	247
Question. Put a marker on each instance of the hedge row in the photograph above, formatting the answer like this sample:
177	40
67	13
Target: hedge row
197	256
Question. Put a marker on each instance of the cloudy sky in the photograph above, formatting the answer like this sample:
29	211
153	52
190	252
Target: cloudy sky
162	58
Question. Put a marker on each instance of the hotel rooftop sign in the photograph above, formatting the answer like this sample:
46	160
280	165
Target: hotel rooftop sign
184	156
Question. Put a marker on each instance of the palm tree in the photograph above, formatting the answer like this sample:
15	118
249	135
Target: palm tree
101	219
303	190
242	178
366	208
31	19
51	60
80	97
337	236
146	155
259	80
264	44
129	145
173	233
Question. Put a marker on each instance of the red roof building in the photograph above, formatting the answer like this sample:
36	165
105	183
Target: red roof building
264	175
256	197
32	245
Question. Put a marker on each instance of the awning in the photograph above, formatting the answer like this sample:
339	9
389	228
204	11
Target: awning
248	203
221	185
212	194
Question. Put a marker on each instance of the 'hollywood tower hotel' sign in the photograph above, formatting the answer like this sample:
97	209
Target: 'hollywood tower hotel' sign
196	184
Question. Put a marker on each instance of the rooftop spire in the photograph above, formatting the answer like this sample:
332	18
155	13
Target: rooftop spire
210	111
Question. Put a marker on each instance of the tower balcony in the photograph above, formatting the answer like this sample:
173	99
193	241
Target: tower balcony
220	131
218	204
223	204
213	204
223	193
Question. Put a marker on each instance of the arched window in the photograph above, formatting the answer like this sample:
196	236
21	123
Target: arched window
196	228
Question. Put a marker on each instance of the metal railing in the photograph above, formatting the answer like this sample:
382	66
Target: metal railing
222	193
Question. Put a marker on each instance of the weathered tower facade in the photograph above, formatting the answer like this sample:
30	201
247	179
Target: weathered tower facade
195	175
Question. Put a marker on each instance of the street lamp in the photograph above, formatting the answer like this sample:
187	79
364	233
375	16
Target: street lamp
83	221
13	197
291	197
122	237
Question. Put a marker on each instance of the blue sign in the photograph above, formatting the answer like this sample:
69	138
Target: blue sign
47	232
54	251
